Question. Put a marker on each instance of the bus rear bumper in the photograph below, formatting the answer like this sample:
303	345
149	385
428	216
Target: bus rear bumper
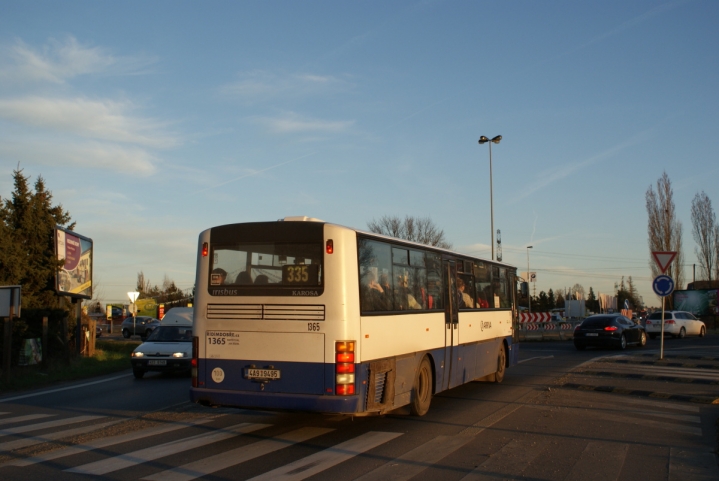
277	401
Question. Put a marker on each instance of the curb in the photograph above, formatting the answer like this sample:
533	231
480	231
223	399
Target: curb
641	393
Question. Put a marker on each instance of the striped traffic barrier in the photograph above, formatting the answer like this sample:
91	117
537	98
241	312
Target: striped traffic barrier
534	317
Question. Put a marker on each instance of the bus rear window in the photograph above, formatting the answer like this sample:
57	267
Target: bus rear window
268	265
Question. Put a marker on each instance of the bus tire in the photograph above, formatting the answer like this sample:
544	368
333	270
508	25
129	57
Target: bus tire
501	364
422	390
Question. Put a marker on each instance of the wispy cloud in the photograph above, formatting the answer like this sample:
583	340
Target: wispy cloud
263	85
60	60
254	172
89	155
106	120
292	122
658	10
563	171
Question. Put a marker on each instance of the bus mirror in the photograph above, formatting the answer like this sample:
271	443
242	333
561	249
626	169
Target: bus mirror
524	288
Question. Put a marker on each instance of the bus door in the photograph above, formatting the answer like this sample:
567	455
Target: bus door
451	321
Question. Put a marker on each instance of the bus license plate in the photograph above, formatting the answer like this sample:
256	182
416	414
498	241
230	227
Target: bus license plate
156	363
262	373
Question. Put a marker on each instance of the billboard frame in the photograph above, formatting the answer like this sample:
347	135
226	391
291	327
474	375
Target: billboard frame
63	272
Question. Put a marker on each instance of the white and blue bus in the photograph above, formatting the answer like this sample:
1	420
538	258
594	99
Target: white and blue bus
301	314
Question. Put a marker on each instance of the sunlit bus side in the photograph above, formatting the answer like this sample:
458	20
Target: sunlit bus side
300	314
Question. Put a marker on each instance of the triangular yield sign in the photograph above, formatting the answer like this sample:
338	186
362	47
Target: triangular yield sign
663	259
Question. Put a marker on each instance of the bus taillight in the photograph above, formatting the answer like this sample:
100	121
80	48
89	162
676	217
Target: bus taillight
344	368
205	249
193	362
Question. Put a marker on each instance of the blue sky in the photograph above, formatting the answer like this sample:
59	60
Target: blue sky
152	121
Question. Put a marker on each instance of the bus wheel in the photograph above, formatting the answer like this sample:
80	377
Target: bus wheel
422	391
501	364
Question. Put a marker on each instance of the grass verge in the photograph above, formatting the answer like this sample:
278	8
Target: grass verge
109	357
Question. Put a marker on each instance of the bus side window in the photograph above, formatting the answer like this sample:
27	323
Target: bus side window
483	285
435	283
375	269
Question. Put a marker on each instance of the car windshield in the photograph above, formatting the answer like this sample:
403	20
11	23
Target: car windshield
658	316
171	334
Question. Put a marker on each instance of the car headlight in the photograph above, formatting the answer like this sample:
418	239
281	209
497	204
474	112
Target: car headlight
179	354
138	354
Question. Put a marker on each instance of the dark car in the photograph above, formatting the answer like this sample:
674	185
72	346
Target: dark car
609	330
143	326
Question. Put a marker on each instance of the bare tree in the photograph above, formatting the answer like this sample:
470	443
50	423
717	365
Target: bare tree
704	228
664	229
577	292
415	229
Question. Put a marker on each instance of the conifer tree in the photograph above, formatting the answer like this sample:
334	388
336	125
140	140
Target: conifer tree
28	233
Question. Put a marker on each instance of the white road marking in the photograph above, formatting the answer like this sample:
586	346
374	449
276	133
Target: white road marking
225	460
108	441
318	462
143	455
28	417
44	438
48	424
532	358
43	393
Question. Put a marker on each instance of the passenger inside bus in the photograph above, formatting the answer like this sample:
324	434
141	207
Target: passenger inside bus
465	300
374	296
405	300
218	276
243	278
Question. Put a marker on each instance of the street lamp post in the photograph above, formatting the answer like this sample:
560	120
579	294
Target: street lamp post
529	296
484	140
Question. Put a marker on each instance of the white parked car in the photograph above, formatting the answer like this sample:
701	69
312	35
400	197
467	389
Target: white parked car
676	323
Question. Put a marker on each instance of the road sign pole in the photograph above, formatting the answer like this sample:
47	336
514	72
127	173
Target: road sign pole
661	342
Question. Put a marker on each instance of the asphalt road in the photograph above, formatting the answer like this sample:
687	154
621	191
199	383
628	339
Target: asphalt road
529	427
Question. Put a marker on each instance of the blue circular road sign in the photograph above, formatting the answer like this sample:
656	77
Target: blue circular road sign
663	285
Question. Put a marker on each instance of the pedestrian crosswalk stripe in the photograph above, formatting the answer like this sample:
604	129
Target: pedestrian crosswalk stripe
48	424
225	460
418	459
109	441
508	462
658	404
318	462
20	419
44	438
143	455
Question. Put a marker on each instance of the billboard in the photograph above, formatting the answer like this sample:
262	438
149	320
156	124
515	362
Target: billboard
74	276
701	302
146	307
